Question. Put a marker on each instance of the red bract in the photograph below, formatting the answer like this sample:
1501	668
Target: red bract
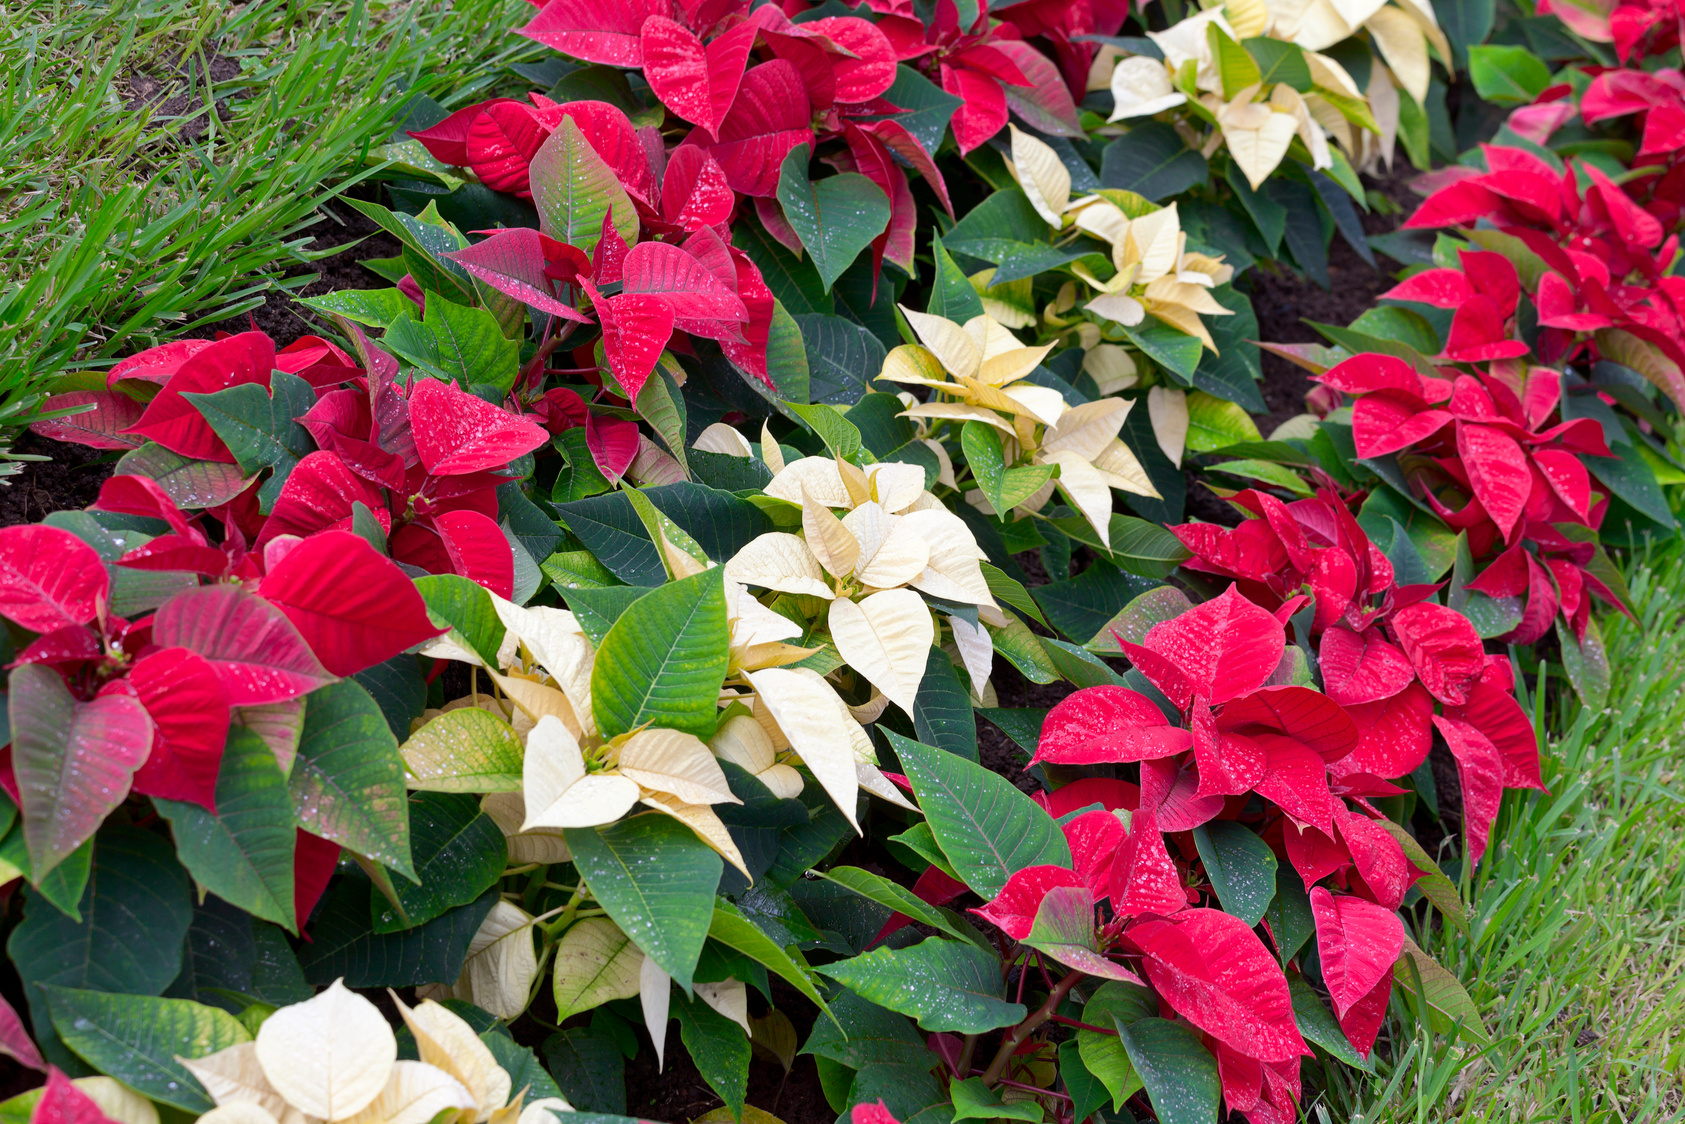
1388	657
1638	28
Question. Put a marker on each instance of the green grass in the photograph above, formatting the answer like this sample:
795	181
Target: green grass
1576	921
116	231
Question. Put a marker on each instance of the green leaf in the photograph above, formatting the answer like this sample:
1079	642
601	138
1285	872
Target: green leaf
887	893
942	714
1507	75
945	985
465	608
1011	591
1441	991
1153	161
425	238
1137	618
466	750
574	188
842	358
588	1068
1241	866
986	827
1235	68
835	218
1318	1024
664	660
1433	883
794	282
863	1034
1025	651
1114	1002
926	107
348	780
719	1048
137	1038
1138	546
1005	488
459	854
1279	61
975	1101
662	405
656	879
841	436
374	307
1214	423
456	342
1289	913
907	1090
1171	348
1178	1071
951	293
243	853
190	483
1586	662
520	1063
734	930
342	943
397	686
1082	607
921	841
721	523
1087	1092
261	429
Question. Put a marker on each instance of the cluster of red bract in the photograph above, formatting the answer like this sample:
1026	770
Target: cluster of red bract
1390	656
1244	736
1606	254
1637	28
1486	452
419	459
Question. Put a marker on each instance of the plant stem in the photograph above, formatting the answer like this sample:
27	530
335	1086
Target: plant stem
1010	1044
966	1052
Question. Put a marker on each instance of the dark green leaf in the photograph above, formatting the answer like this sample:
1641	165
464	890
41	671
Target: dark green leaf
945	985
343	944
456	342
588	1068
836	217
942	710
719	1048
874	1034
1081	606
1317	1023
1241	866
927	106
1280	61
721	524
260	430
459	854
951	293
348	780
137	1038
795	284
1179	1072
1152	160
1289	913
842	358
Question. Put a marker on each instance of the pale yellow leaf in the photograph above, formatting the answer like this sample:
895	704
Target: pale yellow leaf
1110	366
1330	75
1257	139
328	1056
1183	319
895	484
414	1094
976	650
947	341
958	412
444	1040
509	811
912	365
952	571
782	561
1103	218
891	554
886	638
1141	87
675	762
595	963
117	1101
814	722
1042	175
730	998
234	1075
1405	48
1315	26
501	964
702	820
540	700
544	1110
945	465
742	741
1087	428
1194	298
240	1112
1249	18
753	623
1168	408
559	792
1123	471
1043	403
1422	13
655	995
771	455
871	778
1119	307
724	439
1086	490
828	540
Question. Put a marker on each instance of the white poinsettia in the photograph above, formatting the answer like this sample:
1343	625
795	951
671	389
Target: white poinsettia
1403	32
1141	87
333	1058
498	972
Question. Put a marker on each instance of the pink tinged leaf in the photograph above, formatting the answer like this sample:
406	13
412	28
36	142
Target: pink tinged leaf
72	644
1044	103
1443	647
1296	779
608	257
512	262
697	83
1226	647
14	1038
1390	420
1358	943
1107	724
318	496
771	214
314	861
478	550
1215	972
872	1114
982	112
1441	288
1144	878
63	1103
1170	791
502	140
1541	606
155	365
1094	839
898	140
1493	711
175	423
1480	769
1013	910
1229	764
770	117
1381	863
1242	1078
49	578
1497	472
74	761
808	56
1314	854
1080	793
457	432
99	428
694	191
600	31
354	607
1505	576
1636	226
609	132
662	269
1308	717
871	71
636	327
613	444
189	710
1362	669
257	654
1395	734
1493	276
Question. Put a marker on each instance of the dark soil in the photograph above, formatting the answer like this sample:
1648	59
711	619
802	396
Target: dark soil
70	480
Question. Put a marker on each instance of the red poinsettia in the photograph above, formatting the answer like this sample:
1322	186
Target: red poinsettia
1638	28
